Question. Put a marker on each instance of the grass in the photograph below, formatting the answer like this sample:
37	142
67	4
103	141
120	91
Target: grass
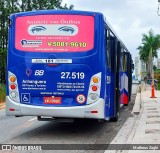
157	71
2	93
158	86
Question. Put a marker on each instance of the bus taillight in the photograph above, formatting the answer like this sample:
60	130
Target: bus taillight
95	79
94	88
12	78
13	86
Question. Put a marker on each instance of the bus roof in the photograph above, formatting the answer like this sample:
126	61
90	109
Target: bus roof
39	12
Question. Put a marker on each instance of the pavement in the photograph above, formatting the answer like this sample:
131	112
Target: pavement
142	129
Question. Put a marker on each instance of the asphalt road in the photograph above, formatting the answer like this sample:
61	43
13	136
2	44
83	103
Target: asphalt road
27	130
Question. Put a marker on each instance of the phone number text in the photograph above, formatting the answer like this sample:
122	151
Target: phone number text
68	44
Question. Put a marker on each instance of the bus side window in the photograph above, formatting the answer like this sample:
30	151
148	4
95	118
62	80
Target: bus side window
125	63
121	60
108	49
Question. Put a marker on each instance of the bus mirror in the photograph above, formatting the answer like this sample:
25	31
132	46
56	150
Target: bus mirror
10	22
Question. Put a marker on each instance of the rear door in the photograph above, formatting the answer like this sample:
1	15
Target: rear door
115	93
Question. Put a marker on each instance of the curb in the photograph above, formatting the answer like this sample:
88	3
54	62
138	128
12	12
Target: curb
138	101
127	132
137	105
133	132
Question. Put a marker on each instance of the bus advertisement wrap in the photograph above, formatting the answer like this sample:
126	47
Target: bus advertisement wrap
54	33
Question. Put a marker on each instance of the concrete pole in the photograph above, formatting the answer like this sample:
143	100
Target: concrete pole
158	8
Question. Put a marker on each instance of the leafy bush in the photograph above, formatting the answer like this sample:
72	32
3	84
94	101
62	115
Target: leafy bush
158	86
157	71
2	92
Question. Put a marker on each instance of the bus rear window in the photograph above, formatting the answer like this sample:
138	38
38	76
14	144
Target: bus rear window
54	33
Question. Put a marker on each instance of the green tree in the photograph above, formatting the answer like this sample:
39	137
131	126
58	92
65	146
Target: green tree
143	55
2	40
148	49
154	67
8	7
48	4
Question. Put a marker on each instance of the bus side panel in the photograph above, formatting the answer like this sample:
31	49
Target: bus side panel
124	88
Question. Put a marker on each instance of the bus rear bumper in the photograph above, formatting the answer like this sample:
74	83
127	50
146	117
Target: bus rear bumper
94	110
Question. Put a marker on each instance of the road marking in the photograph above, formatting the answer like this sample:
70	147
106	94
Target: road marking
32	119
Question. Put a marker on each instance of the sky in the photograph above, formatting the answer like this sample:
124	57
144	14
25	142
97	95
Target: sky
129	18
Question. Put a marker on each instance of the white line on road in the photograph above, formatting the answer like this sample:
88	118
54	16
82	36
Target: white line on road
32	119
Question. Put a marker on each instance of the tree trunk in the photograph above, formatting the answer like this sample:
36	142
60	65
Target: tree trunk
147	68
150	63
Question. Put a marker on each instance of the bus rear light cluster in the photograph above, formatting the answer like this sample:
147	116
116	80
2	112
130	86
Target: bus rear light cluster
13	87
94	88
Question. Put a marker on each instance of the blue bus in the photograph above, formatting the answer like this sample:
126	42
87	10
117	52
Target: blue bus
66	65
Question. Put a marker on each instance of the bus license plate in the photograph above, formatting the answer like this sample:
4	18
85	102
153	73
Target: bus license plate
52	100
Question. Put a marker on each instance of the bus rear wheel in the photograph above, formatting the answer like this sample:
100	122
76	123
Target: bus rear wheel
101	120
115	119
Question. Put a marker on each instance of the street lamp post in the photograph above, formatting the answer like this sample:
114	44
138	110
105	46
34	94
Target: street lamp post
158	8
0	43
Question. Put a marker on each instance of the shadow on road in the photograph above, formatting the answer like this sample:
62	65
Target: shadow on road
80	132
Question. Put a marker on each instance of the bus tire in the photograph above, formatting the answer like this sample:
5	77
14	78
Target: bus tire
115	119
101	120
125	104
